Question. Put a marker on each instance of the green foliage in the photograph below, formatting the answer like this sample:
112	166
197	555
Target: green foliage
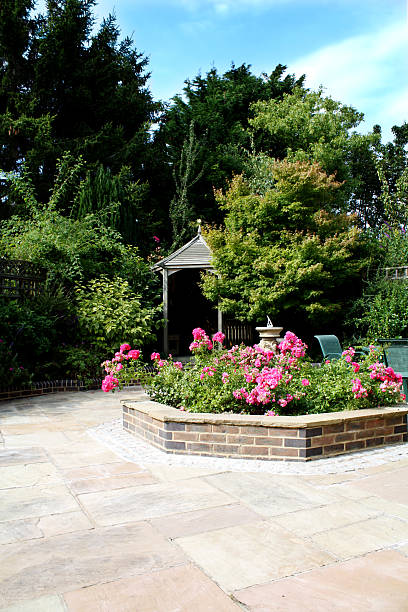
185	176
392	170
218	107
306	126
118	201
29	332
64	87
282	253
109	310
382	309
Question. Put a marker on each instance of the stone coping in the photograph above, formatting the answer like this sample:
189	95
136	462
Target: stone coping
163	413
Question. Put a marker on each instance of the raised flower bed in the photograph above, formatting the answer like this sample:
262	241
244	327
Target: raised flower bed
249	402
293	438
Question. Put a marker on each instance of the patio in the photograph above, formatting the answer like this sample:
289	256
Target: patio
83	528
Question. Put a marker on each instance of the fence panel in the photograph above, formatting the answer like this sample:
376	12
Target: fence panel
20	279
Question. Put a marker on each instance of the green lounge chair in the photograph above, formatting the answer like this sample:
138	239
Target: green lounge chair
396	357
331	347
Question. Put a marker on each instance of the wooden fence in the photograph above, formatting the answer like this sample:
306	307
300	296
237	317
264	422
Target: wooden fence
20	279
237	332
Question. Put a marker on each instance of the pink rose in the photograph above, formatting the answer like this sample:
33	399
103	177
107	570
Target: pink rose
124	347
134	354
109	383
155	356
305	382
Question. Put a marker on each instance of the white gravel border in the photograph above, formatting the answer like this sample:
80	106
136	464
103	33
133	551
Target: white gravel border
134	449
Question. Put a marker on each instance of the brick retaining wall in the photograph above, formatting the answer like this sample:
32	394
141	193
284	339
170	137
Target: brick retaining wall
290	438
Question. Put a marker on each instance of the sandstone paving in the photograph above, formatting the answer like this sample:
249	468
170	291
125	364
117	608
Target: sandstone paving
361	538
393	490
271	495
109	483
374	583
52	603
190	523
78	459
386	507
315	520
29	502
67	522
112	532
46	439
12	456
179	589
151	501
28	475
71	561
32	428
244	555
173	472
19	530
103	470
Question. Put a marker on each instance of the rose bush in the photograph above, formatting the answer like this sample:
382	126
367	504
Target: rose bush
252	380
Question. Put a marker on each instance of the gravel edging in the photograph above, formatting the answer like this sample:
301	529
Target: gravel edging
136	450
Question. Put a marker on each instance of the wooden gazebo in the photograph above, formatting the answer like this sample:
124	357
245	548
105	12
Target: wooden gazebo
193	256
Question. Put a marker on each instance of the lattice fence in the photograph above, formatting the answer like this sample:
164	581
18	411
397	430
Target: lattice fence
20	279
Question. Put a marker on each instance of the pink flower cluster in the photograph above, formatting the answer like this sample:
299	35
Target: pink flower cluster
201	340
218	337
391	381
109	383
115	365
161	363
293	345
348	354
270	373
357	389
209	371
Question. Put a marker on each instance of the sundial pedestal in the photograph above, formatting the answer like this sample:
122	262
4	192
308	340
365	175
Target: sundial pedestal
269	337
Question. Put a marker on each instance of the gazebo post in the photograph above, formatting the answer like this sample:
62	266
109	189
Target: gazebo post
219	320
165	273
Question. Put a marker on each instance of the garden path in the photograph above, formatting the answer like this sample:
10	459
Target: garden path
83	529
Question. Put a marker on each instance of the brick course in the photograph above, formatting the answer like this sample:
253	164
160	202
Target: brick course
301	438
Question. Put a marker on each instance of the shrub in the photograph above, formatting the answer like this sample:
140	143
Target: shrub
108	309
251	380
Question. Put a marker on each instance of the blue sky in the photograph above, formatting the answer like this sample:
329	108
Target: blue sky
356	49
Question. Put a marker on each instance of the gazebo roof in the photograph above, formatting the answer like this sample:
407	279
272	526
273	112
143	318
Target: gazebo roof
194	254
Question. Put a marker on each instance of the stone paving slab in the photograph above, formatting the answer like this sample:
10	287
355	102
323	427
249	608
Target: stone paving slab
12	456
29	502
271	496
237	557
179	589
151	501
29	475
309	522
20	530
92	485
191	523
395	490
364	537
53	603
71	561
375	583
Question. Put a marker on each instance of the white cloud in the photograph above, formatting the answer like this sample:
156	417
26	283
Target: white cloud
367	72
